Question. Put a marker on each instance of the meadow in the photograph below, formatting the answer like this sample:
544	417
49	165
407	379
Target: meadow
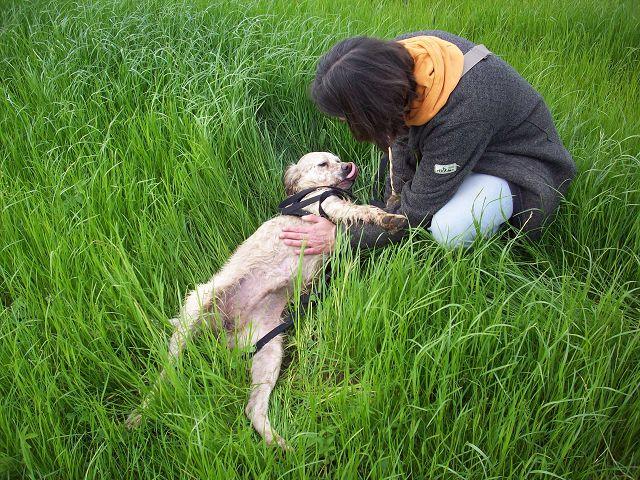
141	141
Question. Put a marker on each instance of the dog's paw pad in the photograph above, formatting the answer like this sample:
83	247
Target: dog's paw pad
393	222
281	443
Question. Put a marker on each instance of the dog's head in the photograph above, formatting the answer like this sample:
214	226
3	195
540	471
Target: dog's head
319	169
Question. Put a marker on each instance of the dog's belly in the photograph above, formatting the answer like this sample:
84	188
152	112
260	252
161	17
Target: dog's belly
261	276
251	299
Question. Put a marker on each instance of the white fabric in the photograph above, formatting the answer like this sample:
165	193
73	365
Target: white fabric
480	206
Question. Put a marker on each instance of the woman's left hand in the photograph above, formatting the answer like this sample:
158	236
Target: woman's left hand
318	237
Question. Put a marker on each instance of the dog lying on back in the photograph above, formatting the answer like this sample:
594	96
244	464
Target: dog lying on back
248	296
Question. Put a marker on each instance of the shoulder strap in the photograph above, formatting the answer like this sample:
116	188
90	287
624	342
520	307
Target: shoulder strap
473	57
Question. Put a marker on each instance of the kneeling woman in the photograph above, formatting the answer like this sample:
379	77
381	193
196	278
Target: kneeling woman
473	145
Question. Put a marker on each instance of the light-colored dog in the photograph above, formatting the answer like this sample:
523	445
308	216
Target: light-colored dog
248	296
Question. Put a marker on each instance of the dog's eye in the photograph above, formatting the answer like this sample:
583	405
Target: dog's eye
323	164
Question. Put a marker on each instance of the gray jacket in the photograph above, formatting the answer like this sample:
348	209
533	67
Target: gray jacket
494	123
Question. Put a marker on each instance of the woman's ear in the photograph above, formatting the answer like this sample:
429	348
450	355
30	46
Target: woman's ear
290	179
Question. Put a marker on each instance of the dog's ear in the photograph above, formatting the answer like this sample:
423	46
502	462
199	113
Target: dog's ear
290	179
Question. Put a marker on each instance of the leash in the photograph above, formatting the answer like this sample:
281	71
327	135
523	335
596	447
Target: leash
386	163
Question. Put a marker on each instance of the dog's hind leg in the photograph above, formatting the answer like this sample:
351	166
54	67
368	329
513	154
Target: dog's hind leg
190	318
186	325
265	370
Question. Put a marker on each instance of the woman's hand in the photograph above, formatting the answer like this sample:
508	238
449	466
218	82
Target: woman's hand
319	236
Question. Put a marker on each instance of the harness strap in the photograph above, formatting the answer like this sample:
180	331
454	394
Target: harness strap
283	327
294	205
288	321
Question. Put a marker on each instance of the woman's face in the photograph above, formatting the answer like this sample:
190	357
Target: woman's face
390	139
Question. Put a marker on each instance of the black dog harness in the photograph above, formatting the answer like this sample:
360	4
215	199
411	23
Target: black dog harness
294	205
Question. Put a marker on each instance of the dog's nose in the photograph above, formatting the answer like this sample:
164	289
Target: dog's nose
346	167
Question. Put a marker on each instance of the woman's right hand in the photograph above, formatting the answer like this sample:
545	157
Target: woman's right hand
318	237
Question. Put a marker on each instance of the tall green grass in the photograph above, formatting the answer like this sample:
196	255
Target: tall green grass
140	142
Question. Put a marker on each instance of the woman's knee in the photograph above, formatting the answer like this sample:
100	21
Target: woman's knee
479	207
452	230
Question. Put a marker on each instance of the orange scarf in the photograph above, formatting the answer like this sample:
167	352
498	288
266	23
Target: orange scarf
437	70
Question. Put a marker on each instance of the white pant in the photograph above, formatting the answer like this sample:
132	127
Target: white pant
479	207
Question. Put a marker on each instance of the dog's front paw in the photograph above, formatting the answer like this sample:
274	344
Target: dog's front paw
394	223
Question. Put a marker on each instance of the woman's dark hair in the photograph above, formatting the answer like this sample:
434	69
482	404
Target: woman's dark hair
369	82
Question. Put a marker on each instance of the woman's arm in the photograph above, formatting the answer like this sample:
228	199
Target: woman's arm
365	235
449	153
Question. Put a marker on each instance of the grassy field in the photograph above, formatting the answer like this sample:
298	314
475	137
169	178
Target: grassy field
141	141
